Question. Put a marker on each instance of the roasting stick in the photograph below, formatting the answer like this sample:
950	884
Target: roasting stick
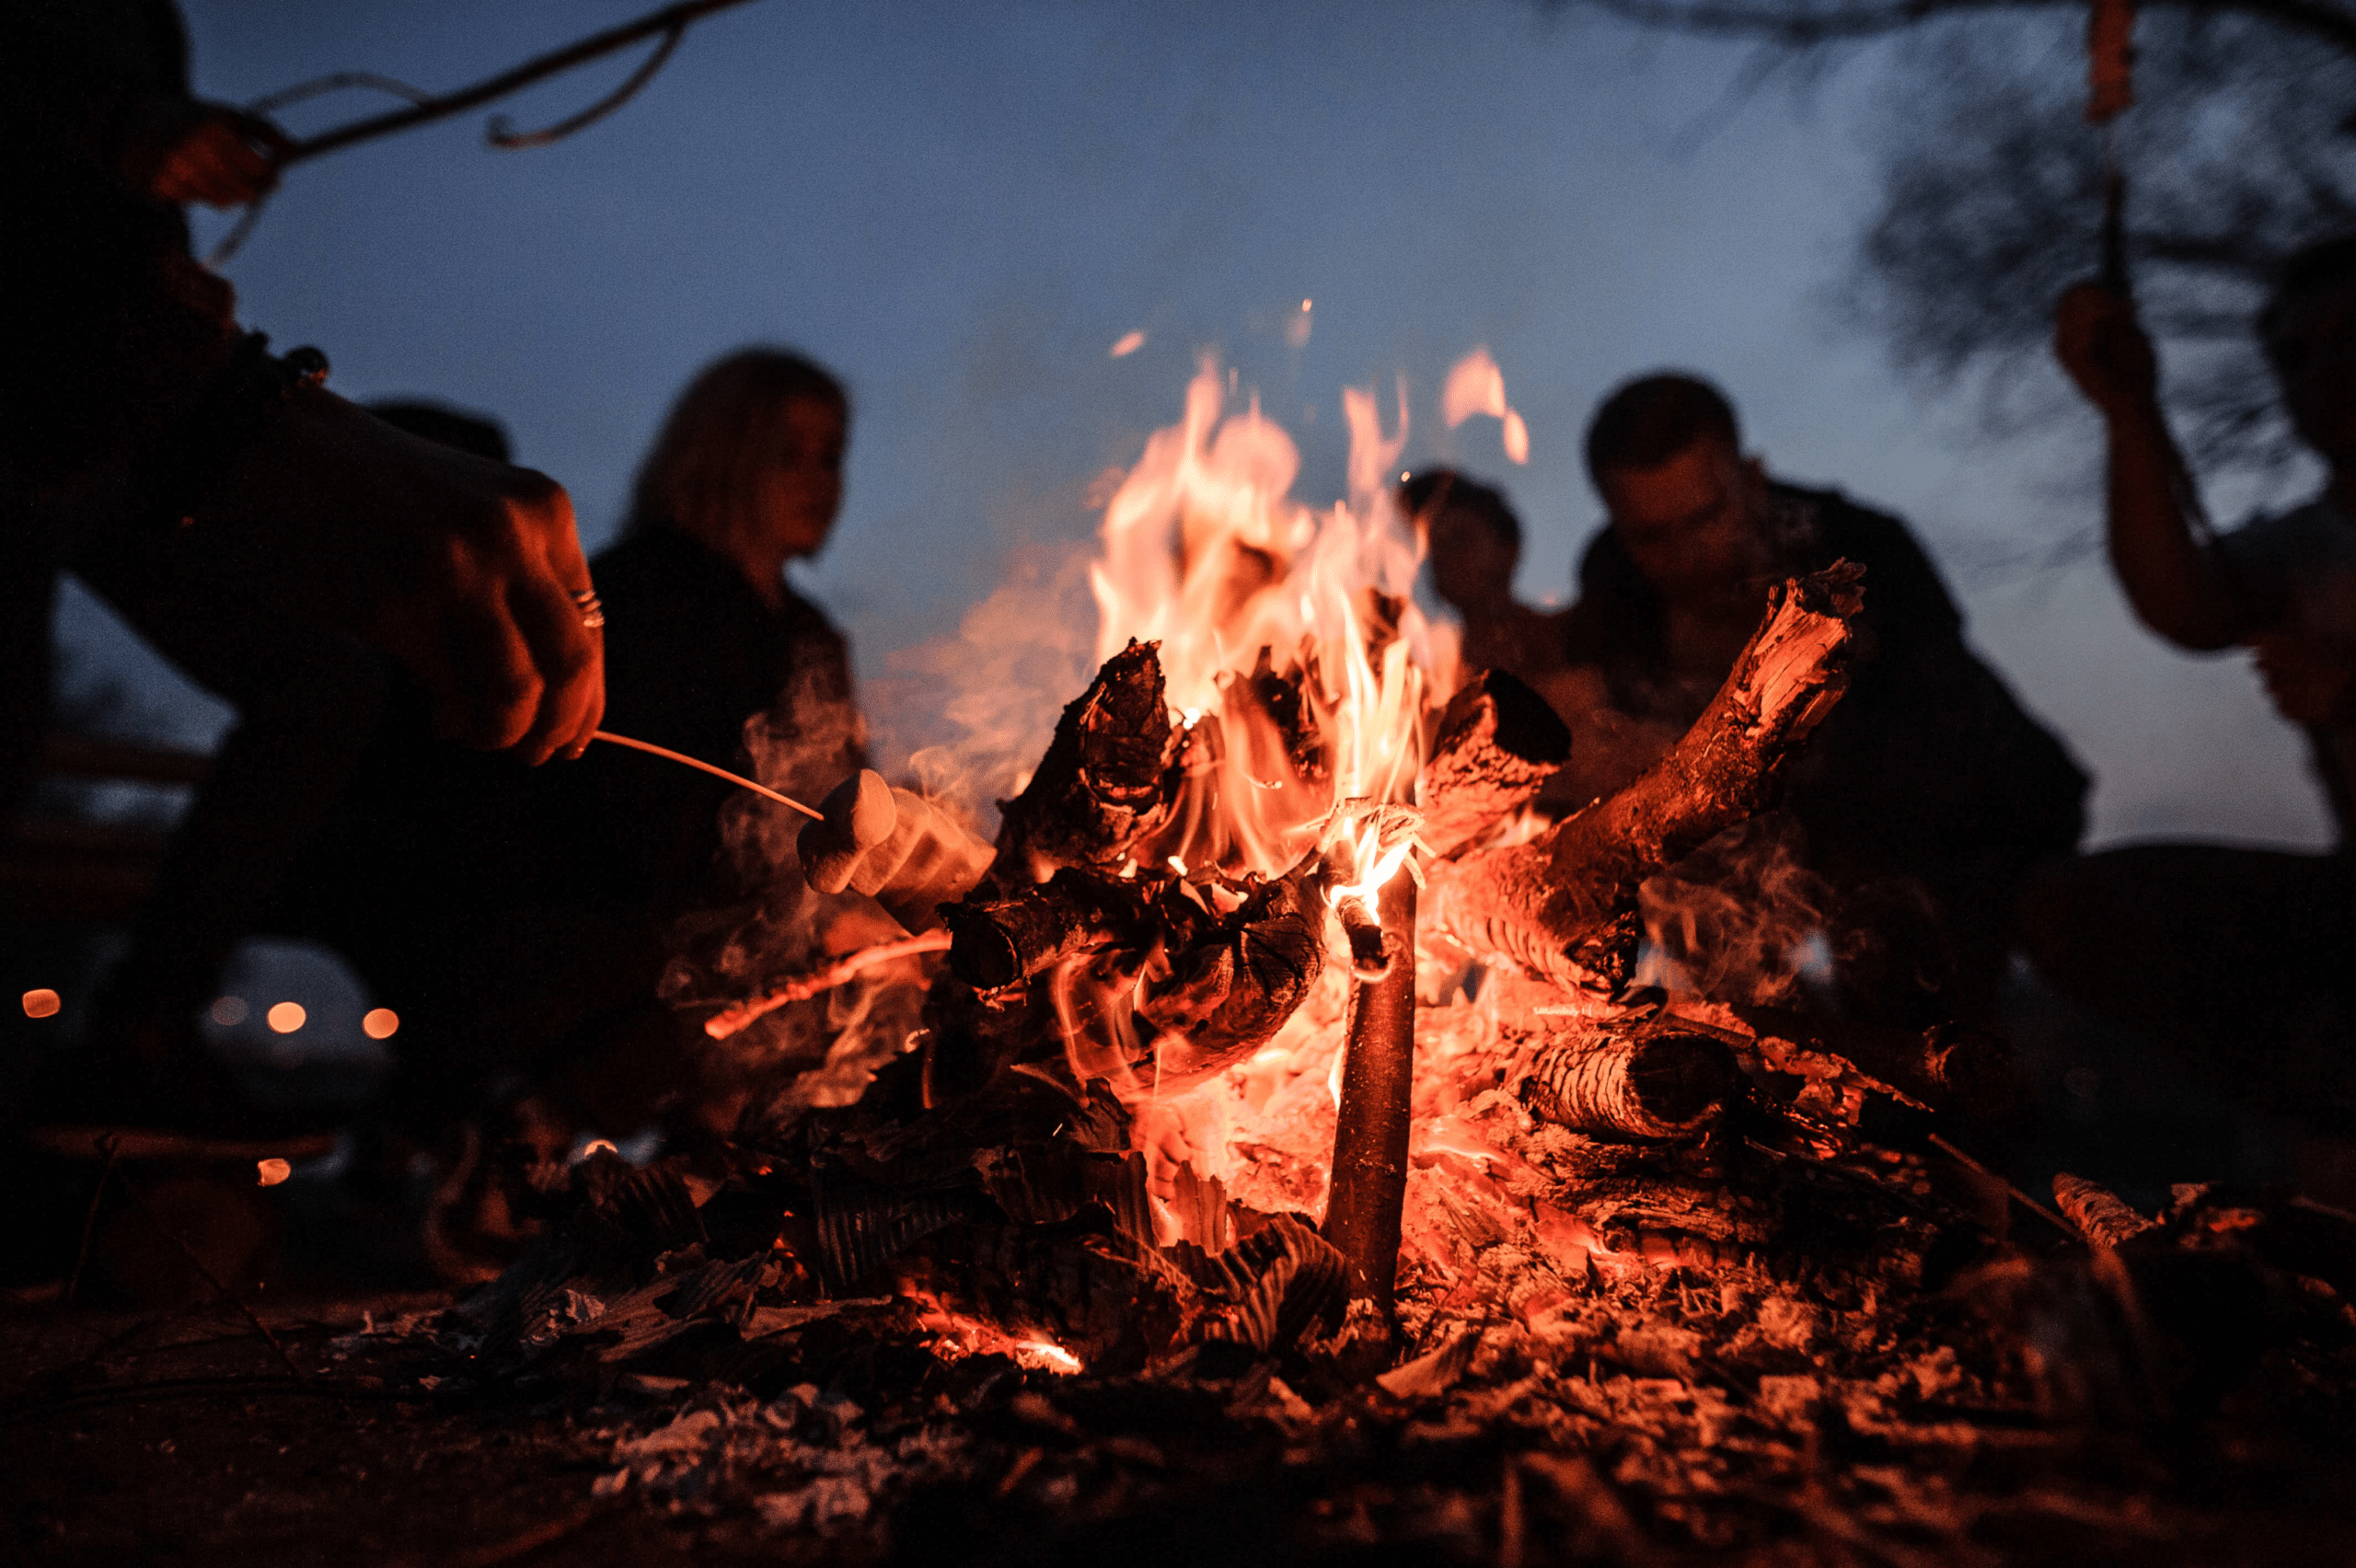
721	1025
653	750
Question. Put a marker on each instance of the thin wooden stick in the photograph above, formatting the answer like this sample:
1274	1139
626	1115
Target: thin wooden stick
139	1202
2039	1209
721	1025
653	750
114	1151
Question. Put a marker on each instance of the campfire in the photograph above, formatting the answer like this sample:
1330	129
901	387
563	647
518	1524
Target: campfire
1275	1045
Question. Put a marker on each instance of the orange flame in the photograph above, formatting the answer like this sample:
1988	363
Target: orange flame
1477	387
1205	552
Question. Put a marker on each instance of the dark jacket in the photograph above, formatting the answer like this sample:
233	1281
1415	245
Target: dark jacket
1928	780
692	655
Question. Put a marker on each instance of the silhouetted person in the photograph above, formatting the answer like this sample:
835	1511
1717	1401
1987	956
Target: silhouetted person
521	922
2244	953
280	545
1474	546
1909	816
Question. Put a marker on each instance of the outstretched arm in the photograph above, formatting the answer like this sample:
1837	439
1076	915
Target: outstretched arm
2171	578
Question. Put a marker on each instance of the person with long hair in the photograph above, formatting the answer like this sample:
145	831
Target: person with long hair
705	635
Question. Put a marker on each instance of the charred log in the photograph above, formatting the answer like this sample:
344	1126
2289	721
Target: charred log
1264	1291
997	942
1277	697
1646	1083
1101	780
1952	1067
1498	744
1230	986
1564	906
1103	1299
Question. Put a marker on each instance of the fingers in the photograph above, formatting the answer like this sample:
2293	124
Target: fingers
480	672
545	593
217	163
2101	344
566	657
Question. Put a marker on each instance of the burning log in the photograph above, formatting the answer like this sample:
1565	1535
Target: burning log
1230	986
1362	1217
1103	780
1000	941
1564	905
1648	1083
2098	1212
1498	744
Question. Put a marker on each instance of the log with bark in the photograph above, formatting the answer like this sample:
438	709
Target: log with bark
1564	906
1646	1081
999	941
2098	1212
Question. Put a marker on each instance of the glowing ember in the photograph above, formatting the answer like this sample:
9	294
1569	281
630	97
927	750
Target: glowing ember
380	1023
272	1172
956	1334
41	1003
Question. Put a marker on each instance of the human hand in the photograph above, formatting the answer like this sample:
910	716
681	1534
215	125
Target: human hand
205	152
896	846
2100	343
467	570
2309	677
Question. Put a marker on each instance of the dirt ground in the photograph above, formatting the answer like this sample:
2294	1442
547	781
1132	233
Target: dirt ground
181	1437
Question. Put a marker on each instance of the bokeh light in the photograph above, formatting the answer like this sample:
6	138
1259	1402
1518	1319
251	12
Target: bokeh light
229	1012
272	1172
380	1023
285	1018
41	1003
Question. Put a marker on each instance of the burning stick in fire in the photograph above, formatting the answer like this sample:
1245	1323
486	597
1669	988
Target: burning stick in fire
721	1025
1369	1186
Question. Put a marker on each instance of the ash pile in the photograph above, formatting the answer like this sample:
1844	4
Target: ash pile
1215	1213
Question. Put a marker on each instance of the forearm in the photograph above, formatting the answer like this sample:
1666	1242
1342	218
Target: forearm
2170	577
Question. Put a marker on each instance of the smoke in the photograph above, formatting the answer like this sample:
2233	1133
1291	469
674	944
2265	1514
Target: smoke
968	714
824	1049
1745	919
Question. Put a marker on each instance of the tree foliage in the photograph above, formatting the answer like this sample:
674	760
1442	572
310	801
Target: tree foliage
2237	151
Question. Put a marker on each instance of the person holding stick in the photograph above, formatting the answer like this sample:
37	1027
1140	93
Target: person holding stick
282	545
2239	954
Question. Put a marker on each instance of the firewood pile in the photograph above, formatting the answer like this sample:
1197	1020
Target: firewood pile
1220	1213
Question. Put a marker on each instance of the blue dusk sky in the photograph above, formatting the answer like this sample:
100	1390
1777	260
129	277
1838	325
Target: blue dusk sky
961	206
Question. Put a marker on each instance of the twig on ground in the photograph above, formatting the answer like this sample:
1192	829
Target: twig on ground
211	1278
90	1220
